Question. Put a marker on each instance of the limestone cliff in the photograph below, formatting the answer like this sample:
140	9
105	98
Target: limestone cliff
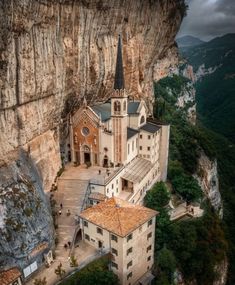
52	54
25	219
207	176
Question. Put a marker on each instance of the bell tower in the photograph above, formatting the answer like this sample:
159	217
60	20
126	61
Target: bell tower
119	102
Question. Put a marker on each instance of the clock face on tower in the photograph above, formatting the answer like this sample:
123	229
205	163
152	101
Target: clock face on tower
85	131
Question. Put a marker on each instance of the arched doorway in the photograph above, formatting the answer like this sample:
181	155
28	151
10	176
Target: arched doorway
87	154
106	161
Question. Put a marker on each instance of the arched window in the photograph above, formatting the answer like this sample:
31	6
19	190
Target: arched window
124	106
117	106
142	120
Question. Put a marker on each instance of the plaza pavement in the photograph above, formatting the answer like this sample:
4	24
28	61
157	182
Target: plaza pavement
72	186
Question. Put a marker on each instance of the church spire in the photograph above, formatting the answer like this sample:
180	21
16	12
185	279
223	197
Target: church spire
119	75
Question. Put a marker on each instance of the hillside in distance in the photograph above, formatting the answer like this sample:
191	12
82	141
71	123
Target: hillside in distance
214	67
188	41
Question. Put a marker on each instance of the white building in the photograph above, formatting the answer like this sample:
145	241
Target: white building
117	134
127	231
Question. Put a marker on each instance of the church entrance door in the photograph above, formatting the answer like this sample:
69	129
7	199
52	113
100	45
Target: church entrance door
87	157
87	154
106	160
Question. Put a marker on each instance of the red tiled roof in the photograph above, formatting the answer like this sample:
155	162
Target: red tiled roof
118	216
9	276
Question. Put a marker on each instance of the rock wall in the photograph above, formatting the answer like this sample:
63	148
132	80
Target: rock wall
186	101
25	218
207	176
52	52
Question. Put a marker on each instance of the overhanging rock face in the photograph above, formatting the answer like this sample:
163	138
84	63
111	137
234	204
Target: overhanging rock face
52	53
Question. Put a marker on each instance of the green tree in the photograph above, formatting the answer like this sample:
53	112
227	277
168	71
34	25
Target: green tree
73	261
59	271
157	197
40	281
166	262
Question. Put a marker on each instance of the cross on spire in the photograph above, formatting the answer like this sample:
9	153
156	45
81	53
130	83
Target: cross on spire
119	74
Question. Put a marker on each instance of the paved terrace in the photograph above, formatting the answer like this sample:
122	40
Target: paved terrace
72	187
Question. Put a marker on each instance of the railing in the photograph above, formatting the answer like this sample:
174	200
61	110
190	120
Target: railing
88	192
85	199
84	263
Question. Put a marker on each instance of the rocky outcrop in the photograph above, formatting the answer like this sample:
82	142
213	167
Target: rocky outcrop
202	71
25	220
207	177
186	101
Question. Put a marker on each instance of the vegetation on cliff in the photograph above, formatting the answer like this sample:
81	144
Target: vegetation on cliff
195	246
96	272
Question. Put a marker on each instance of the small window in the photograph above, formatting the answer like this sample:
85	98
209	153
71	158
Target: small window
149	248
129	264
129	237
141	136
128	146
129	251
112	186
107	190
148	148
149	258
133	145
124	106
113	264
99	231
87	237
113	237
149	137
149	235
117	181
114	251
129	275
140	147
85	223
150	222
142	120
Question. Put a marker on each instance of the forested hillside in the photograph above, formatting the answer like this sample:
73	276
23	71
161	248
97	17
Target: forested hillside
194	247
214	66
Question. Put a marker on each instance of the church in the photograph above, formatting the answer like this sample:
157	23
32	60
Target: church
118	135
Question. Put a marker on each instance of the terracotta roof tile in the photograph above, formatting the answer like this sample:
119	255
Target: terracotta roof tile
9	276
97	196
118	216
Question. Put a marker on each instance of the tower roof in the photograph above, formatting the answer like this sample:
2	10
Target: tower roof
119	74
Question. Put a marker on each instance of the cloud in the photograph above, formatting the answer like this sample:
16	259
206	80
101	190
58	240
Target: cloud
207	19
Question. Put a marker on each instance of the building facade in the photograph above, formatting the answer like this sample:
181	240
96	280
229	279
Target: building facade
118	134
127	231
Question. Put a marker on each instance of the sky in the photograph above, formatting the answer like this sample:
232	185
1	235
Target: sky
207	19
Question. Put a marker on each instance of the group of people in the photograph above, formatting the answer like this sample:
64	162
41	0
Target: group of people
60	211
67	245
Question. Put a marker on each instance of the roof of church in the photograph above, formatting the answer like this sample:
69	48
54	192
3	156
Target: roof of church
133	107
118	216
119	74
150	128
131	132
104	110
9	276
